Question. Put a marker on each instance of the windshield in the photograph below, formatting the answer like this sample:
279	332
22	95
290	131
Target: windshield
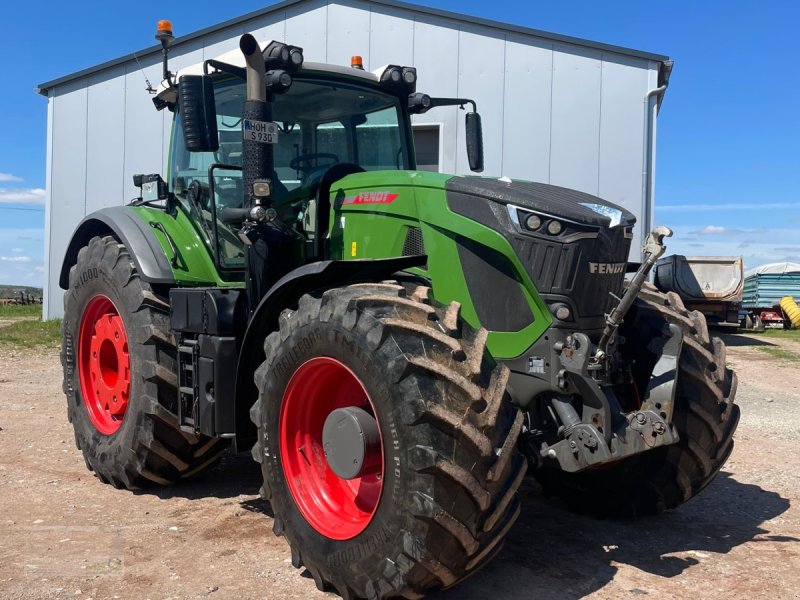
320	124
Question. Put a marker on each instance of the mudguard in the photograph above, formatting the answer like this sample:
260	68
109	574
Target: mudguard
124	224
285	293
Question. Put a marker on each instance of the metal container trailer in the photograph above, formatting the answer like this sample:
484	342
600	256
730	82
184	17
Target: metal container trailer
709	284
763	289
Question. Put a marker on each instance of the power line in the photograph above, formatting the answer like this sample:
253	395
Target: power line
21	208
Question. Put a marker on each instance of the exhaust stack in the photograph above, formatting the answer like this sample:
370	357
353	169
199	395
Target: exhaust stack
256	72
257	157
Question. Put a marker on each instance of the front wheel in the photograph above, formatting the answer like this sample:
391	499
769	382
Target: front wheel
118	357
705	417
386	441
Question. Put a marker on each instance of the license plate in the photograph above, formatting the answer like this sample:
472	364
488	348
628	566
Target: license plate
264	132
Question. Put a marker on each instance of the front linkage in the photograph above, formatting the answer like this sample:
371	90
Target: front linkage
603	432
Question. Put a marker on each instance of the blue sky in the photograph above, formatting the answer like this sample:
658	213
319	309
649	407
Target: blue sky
728	159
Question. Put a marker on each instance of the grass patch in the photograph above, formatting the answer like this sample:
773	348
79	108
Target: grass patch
783	334
31	333
779	353
20	310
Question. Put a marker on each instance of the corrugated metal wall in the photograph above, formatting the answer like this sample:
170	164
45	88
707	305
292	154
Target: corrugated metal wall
552	112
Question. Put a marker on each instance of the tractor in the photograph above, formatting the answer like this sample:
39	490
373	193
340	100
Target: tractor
397	348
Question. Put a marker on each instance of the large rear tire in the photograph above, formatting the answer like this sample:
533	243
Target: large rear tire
443	496
118	357
704	414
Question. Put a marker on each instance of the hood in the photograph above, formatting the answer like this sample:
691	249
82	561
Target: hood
543	198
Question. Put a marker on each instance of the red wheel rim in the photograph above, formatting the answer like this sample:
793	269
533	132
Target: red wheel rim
104	366
337	508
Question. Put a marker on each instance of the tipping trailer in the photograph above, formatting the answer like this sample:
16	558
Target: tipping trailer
764	287
396	348
709	284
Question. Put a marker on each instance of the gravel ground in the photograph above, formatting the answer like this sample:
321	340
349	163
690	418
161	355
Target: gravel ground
63	534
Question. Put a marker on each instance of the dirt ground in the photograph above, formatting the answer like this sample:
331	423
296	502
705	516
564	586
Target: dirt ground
63	534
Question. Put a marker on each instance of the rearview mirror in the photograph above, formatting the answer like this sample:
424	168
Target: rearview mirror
474	134
198	112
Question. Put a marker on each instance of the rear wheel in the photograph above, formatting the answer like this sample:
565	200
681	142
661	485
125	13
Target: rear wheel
386	441
704	414
118	358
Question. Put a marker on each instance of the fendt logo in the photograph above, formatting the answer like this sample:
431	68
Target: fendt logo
371	198
607	268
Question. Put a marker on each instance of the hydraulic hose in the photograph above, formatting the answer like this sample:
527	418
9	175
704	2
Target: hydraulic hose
789	306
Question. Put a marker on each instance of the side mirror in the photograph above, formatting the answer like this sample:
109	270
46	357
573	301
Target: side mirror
474	134
198	113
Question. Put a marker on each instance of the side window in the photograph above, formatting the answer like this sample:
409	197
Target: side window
332	139
290	143
190	170
378	141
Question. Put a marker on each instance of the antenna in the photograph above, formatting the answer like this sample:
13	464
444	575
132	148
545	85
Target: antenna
149	89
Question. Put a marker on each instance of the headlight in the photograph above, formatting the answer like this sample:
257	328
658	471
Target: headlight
554	227
278	55
533	222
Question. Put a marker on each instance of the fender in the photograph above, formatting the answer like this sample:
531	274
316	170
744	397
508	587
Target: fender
287	292
125	225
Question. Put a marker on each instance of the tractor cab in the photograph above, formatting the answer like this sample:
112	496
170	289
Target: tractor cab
324	122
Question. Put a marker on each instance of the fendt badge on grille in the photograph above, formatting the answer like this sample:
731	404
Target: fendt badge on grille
607	268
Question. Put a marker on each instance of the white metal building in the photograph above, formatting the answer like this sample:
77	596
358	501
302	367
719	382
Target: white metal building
555	109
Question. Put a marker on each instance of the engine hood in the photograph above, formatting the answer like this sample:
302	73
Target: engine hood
544	198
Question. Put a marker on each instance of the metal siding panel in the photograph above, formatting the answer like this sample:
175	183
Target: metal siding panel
306	26
144	127
621	131
436	59
391	38
575	122
269	27
105	143
480	52
526	113
48	290
221	42
348	32
68	178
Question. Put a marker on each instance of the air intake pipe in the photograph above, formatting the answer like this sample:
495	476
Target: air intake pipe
257	157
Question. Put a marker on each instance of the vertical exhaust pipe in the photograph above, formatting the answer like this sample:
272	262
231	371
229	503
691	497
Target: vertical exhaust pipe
257	158
254	65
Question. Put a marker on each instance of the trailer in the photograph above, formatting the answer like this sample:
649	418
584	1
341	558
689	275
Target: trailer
709	284
764	287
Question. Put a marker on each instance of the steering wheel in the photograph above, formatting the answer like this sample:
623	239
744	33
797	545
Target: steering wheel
303	162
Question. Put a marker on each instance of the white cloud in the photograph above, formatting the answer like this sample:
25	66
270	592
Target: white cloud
720	230
729	206
8	177
22	195
17	250
18	259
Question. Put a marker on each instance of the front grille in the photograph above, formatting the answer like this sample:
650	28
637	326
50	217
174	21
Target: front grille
570	271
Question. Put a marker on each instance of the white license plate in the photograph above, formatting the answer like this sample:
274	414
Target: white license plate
260	131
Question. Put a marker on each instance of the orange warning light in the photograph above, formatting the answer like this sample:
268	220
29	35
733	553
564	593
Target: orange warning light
356	62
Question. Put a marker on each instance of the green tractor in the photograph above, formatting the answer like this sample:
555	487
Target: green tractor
398	348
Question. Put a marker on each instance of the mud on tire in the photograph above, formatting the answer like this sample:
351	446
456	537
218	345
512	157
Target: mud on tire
148	448
704	414
451	466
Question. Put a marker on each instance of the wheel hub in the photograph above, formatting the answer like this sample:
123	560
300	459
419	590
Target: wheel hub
330	448
350	439
104	364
